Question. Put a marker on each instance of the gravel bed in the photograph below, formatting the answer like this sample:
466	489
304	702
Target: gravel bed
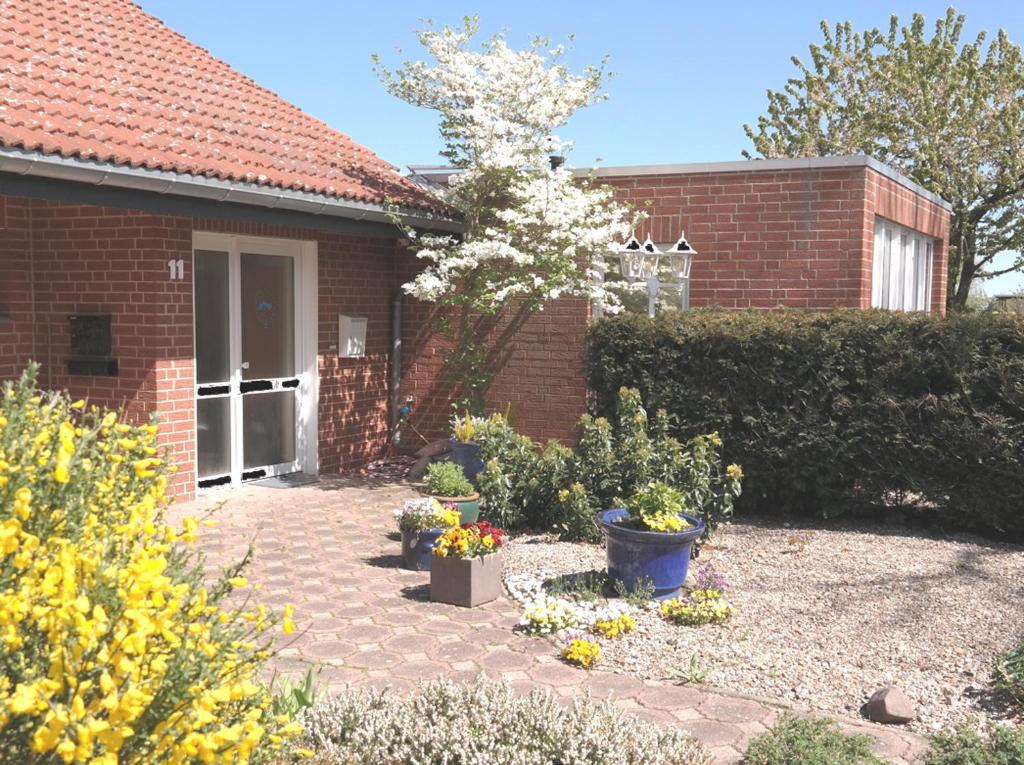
827	615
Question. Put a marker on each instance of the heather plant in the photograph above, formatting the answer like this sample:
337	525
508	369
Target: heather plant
1000	746
114	651
486	723
1008	674
809	741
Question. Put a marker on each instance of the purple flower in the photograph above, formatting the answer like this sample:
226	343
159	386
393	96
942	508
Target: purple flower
708	578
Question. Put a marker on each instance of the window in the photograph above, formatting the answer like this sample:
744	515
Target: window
901	278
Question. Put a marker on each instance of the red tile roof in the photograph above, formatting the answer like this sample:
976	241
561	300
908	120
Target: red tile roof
106	81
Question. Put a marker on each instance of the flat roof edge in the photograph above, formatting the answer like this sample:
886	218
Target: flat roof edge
768	165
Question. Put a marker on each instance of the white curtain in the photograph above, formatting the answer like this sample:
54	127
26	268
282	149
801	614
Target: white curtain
901	268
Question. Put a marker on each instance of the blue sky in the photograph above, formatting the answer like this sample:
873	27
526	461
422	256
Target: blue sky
687	74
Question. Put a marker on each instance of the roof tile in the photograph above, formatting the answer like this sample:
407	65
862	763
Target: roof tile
104	80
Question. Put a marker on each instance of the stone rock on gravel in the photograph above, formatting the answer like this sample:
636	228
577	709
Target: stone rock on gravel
890	705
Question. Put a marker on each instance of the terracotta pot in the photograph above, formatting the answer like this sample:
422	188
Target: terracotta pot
466	582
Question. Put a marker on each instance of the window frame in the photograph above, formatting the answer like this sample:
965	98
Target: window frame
901	268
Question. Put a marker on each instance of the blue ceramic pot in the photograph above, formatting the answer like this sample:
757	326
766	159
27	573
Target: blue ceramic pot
418	548
466	454
661	557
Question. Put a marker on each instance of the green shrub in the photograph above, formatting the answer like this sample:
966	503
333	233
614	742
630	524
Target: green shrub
1008	674
802	741
446	479
835	412
485	723
561	489
1002	746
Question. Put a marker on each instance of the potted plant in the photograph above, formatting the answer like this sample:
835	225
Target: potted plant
466	570
465	451
447	483
422	522
650	539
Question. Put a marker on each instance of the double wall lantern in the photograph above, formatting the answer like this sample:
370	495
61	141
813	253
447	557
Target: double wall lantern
640	265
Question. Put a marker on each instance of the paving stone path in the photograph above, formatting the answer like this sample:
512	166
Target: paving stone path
331	550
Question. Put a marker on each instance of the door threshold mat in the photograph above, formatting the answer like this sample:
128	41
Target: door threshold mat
287	481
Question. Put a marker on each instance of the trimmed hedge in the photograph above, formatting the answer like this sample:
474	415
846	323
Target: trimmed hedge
838	412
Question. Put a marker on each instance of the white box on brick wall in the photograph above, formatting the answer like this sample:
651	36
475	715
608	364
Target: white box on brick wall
351	336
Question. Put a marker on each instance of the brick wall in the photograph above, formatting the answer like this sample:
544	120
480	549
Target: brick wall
886	198
85	259
540	365
15	287
798	238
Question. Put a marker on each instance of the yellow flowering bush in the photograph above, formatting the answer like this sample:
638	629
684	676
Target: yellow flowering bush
113	652
699	607
582	653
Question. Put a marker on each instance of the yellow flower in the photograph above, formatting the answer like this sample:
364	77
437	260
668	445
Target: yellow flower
583	653
24	700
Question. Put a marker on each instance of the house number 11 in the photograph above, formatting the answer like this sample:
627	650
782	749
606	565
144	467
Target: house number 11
177	269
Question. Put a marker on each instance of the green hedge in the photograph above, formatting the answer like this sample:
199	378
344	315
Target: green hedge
838	412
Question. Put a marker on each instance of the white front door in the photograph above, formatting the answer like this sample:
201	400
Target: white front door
255	357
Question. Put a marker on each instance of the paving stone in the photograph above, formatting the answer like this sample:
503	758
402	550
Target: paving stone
328	649
453	651
501	659
332	551
420	670
671	697
731	710
373	659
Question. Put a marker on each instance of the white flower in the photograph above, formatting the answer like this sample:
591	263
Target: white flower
532	233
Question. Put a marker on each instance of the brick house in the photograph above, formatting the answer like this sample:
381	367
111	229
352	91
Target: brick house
180	242
818	234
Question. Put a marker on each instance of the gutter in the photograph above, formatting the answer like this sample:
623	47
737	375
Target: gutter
101	174
439	174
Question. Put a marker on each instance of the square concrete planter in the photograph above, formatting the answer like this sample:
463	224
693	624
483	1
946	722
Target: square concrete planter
466	583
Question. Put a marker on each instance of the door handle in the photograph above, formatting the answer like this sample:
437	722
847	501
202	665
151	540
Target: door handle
245	365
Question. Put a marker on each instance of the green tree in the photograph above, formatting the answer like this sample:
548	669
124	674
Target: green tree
947	113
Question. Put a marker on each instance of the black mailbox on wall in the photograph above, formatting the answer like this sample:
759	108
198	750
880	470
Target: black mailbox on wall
91	345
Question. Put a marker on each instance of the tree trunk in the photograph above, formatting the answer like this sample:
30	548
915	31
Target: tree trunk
962	242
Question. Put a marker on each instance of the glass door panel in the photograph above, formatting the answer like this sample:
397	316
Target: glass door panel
213	424
213	363
268	428
268	316
213	357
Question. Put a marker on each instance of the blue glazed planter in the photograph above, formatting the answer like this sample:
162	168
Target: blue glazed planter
661	557
418	548
466	454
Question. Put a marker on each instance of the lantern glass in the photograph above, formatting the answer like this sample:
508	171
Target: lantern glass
680	263
637	266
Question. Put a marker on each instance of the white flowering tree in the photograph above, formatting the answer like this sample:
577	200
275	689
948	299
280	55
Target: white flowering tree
533	232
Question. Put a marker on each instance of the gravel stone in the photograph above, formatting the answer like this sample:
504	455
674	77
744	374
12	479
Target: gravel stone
825	615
